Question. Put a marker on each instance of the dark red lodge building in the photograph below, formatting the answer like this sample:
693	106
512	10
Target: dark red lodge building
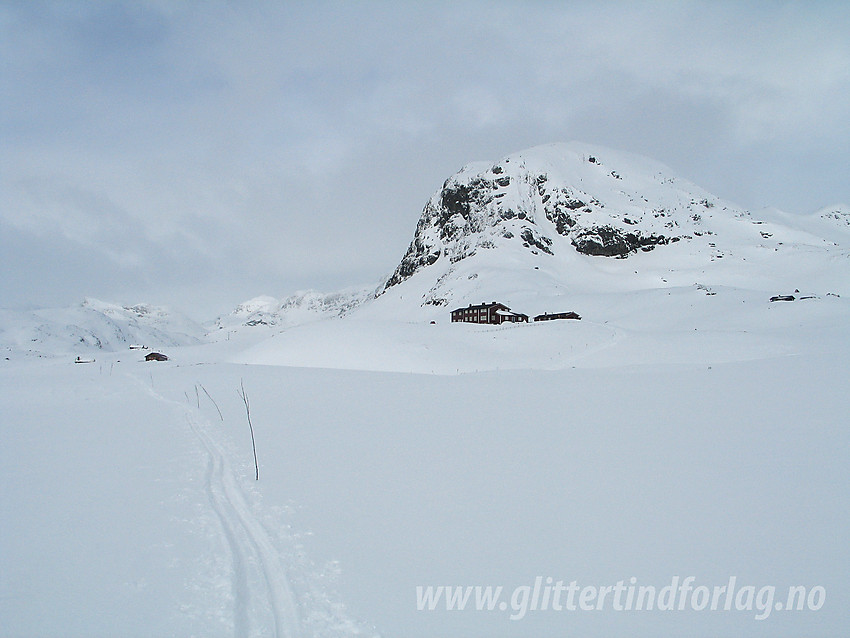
493	313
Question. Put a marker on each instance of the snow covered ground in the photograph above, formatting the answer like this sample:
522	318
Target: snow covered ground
669	432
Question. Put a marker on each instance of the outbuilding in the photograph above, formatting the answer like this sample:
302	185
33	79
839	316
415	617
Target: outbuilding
549	316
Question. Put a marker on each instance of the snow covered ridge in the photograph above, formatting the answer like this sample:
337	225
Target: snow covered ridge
834	222
839	214
94	325
302	307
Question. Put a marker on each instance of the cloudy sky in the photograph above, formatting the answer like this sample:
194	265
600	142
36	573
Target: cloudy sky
198	154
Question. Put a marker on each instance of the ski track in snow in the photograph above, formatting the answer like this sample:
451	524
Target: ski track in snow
259	578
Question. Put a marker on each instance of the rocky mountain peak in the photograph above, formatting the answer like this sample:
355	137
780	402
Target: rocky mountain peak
556	198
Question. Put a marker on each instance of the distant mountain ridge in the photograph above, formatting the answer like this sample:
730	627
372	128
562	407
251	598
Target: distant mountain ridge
94	325
300	307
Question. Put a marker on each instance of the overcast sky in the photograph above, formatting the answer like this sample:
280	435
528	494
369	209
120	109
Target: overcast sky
195	155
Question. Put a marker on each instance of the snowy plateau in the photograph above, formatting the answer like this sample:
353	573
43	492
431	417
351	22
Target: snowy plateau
687	425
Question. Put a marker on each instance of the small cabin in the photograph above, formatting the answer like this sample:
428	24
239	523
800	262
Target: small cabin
491	313
155	356
549	316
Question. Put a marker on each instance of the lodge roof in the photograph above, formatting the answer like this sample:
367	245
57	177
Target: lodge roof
481	306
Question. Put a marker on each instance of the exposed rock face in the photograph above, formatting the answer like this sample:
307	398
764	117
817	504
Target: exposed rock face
558	198
607	241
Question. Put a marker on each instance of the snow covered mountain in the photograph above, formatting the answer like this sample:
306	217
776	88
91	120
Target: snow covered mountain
604	202
94	325
570	218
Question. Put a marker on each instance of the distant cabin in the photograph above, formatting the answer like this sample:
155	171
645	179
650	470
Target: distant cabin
549	316
155	356
492	313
